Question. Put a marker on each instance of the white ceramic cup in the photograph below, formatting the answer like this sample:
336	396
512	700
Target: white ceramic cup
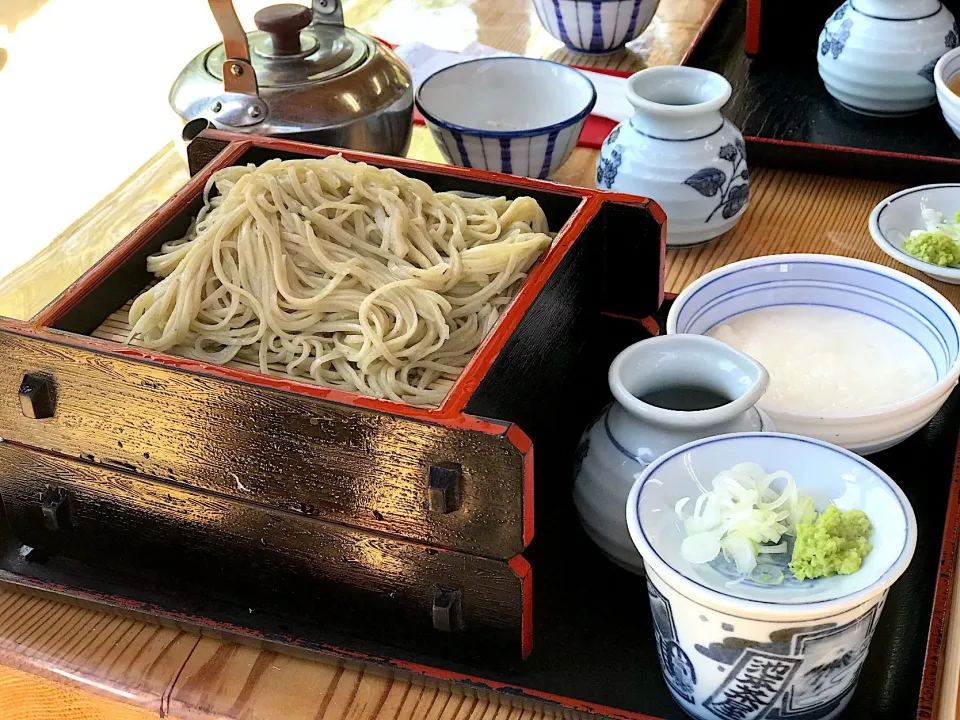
947	67
742	650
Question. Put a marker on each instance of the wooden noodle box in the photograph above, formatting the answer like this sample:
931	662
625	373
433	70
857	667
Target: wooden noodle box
408	525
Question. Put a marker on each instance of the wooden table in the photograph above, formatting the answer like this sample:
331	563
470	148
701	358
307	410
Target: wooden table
61	661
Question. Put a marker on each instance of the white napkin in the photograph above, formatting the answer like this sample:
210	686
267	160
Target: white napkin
424	61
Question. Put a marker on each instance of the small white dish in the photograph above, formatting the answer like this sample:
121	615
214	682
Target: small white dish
896	298
892	221
806	640
947	67
681	152
514	115
877	57
595	28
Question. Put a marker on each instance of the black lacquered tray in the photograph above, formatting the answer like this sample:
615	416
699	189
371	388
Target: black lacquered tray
786	115
593	645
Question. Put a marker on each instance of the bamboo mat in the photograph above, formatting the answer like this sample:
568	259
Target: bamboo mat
116	328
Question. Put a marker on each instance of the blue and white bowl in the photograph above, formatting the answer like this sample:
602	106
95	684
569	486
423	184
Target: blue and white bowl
595	27
826	280
947	67
732	649
514	115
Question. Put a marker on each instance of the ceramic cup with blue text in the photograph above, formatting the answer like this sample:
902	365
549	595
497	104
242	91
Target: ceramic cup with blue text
736	649
595	27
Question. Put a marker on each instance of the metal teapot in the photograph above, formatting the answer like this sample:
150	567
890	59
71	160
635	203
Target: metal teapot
303	76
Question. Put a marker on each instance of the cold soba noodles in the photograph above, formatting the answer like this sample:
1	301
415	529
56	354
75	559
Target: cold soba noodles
824	359
355	277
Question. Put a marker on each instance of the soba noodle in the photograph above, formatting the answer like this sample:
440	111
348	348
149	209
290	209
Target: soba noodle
357	277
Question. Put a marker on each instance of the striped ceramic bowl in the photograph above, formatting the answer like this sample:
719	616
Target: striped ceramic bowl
595	27
513	115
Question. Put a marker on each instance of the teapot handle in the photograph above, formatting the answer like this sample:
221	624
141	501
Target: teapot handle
327	12
238	74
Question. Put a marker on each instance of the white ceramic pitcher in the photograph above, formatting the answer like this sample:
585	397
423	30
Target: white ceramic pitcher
682	371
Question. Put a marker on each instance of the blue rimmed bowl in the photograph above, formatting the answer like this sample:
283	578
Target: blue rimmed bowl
826	280
514	115
792	650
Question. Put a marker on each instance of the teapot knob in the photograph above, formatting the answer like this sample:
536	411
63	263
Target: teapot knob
283	23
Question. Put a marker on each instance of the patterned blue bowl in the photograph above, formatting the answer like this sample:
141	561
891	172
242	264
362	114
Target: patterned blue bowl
513	115
733	648
862	287
595	27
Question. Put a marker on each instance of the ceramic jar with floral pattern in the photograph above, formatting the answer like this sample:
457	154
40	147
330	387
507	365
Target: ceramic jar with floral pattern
678	150
876	57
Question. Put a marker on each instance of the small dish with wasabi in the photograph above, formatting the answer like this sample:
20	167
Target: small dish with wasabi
920	227
767	555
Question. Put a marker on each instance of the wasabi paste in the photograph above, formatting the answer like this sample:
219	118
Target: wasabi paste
835	543
939	243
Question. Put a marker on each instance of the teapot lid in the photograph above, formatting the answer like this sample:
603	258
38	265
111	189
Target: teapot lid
289	48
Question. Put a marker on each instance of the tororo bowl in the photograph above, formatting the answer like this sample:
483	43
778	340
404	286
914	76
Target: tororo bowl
855	285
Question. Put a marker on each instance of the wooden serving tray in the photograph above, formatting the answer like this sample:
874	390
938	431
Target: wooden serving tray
178	549
785	113
593	647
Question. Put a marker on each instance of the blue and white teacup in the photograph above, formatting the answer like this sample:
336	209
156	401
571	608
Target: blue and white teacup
736	649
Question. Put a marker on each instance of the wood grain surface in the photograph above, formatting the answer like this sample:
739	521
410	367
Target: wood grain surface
24	696
169	673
